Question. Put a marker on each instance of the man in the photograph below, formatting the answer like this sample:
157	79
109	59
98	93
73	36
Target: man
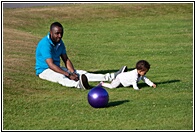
48	53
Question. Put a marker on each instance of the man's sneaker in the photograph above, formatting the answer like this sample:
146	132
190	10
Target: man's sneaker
123	69
83	82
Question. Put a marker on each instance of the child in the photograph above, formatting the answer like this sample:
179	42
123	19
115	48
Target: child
131	77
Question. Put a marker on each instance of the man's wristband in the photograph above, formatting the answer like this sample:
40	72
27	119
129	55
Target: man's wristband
73	73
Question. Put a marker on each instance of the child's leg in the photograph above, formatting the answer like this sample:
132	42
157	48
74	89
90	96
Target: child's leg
96	77
114	84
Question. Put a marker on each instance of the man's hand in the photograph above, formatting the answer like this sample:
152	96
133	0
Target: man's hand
74	77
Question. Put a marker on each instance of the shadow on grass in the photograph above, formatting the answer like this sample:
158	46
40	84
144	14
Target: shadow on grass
158	83
167	82
116	103
108	71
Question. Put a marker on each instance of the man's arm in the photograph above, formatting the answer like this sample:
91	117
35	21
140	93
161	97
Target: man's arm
55	67
59	70
70	67
68	63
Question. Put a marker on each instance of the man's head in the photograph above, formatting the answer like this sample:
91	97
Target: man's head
142	67
56	32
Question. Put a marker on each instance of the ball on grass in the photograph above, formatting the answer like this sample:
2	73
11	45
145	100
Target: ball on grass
98	97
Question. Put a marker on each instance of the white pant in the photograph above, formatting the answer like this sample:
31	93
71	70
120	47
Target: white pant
114	84
53	76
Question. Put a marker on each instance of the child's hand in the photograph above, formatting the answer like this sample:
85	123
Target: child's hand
154	86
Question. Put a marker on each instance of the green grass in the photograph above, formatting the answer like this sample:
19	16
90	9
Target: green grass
101	38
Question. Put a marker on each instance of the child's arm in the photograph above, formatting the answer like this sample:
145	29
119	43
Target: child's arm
148	82
154	85
135	87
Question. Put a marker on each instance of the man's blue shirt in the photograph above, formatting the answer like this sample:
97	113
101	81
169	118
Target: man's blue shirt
45	50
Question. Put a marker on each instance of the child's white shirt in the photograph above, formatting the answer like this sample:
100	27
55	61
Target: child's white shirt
132	78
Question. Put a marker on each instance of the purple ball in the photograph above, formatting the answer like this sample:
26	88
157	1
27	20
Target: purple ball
98	97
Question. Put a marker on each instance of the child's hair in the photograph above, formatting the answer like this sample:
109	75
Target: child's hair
142	65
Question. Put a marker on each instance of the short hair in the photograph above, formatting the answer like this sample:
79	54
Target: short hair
142	65
54	25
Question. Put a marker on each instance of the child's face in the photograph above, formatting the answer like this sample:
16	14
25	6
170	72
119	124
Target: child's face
142	72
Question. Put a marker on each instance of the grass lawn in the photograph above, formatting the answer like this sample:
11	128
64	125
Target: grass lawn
101	38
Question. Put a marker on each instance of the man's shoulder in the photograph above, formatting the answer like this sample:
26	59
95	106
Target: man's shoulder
44	40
